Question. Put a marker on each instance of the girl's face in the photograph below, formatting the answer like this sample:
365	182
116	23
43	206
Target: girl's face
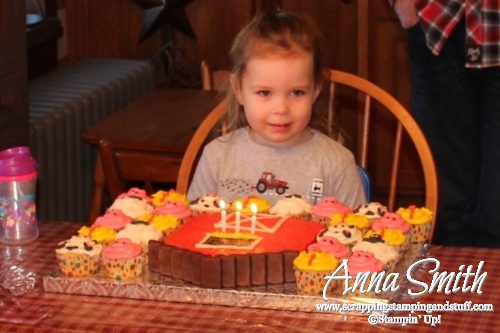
277	94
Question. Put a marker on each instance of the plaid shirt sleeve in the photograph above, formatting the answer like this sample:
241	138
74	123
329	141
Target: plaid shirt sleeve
439	17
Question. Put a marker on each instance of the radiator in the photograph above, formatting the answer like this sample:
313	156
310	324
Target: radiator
61	105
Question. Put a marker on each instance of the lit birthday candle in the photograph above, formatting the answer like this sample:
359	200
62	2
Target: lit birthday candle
239	206
223	213
253	208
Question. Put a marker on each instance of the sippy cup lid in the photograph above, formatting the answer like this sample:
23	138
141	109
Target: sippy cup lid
16	161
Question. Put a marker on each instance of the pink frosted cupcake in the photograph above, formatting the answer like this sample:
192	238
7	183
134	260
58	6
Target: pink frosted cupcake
394	221
172	203
361	262
122	259
332	246
328	206
391	221
176	208
113	219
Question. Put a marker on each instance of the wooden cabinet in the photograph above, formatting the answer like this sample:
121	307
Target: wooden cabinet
13	75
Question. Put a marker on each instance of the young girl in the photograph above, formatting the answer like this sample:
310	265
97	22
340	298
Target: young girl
275	80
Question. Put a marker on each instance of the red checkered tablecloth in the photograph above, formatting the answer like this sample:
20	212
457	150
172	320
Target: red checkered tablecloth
38	311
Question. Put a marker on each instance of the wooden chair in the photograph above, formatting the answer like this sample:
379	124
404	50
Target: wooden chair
369	94
213	80
122	166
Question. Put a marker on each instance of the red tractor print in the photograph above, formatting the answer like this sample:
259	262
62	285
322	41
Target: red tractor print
268	180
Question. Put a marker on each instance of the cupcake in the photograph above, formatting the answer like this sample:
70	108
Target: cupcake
78	256
332	246
206	204
420	222
101	235
346	234
387	254
292	205
363	262
391	221
165	223
161	197
113	219
177	208
359	221
393	237
262	204
133	203
328	206
140	232
310	270
372	210
122	259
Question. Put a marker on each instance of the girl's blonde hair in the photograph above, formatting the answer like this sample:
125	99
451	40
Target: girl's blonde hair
272	32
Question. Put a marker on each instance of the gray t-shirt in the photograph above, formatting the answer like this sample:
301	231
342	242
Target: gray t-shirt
234	166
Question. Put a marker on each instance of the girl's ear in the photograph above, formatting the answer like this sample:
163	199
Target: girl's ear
236	87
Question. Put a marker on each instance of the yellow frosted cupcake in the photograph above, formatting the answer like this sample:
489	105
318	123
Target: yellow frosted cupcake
420	221
262	204
165	223
361	222
78	256
310	270
101	235
393	237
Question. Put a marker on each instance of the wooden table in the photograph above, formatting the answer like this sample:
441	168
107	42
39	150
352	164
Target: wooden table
39	311
162	122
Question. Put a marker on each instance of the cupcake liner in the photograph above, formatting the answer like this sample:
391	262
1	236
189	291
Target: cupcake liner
122	269
303	216
420	233
321	219
312	282
390	266
77	265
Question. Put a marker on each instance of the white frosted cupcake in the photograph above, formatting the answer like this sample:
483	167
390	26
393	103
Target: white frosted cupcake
346	234
292	205
133	203
387	254
205	204
372	210
140	232
78	256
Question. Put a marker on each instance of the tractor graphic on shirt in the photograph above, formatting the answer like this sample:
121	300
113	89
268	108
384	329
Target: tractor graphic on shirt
268	180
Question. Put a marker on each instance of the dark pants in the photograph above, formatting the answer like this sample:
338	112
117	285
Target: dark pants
459	112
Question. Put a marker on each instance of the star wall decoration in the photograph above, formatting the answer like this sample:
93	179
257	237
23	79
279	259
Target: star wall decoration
160	12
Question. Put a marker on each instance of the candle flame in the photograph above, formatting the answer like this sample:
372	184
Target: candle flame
253	207
239	205
222	204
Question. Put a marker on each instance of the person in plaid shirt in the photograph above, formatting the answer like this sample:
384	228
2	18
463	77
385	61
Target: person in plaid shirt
454	51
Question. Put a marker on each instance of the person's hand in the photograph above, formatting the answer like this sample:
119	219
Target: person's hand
405	9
